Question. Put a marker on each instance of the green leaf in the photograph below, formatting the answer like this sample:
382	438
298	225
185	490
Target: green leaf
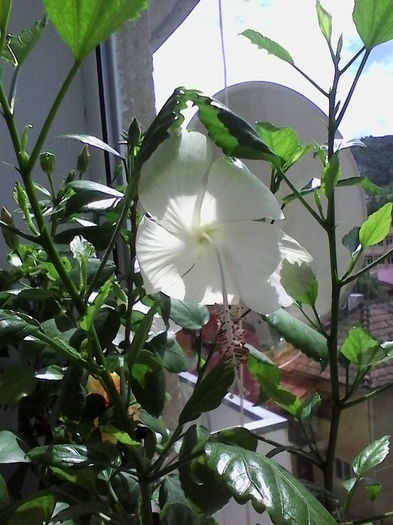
16	326
309	407
178	514
358	347
351	240
237	436
15	384
268	376
34	511
171	491
121	436
19	46
252	477
12	448
362	181
93	309
299	282
91	141
209	392
376	227
100	236
374	21
325	21
171	353
301	336
230	132
373	490
194	441
5	8
145	363
72	399
273	48
83	24
90	196
75	456
330	175
371	456
84	478
187	315
282	141
151	396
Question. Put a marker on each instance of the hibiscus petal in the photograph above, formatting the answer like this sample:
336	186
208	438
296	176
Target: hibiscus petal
233	193
251	251
203	283
292	251
163	258
174	177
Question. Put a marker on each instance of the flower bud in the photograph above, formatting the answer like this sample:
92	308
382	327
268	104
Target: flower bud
83	159
48	162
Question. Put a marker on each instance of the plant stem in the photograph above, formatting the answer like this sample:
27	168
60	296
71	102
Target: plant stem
147	514
368	519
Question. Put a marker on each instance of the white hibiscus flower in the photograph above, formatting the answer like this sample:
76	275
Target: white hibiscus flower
208	235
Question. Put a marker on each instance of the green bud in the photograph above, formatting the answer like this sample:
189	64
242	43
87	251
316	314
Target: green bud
134	133
83	159
48	162
11	239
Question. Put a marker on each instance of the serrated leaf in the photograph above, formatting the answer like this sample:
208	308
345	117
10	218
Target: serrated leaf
81	249
187	315
151	396
209	392
12	448
171	353
273	48
325	21
252	477
268	376
299	282
50	373
237	436
95	142
358	347
362	181
282	141
373	490
371	456
83	24
230	132
301	336
15	384
376	227
374	21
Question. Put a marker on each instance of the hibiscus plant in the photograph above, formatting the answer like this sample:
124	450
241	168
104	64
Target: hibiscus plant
87	344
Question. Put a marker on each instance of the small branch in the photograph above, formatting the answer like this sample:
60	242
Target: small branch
353	59
368	396
301	198
352	88
312	82
366	268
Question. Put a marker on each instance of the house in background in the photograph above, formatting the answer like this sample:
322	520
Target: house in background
360	424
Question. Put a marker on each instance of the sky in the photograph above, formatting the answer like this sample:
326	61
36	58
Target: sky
192	57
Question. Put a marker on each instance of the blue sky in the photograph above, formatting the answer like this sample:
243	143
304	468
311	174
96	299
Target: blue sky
192	56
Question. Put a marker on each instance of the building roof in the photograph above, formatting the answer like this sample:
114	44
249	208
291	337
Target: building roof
375	317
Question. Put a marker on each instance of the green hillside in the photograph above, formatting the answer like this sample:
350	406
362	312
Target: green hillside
376	159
